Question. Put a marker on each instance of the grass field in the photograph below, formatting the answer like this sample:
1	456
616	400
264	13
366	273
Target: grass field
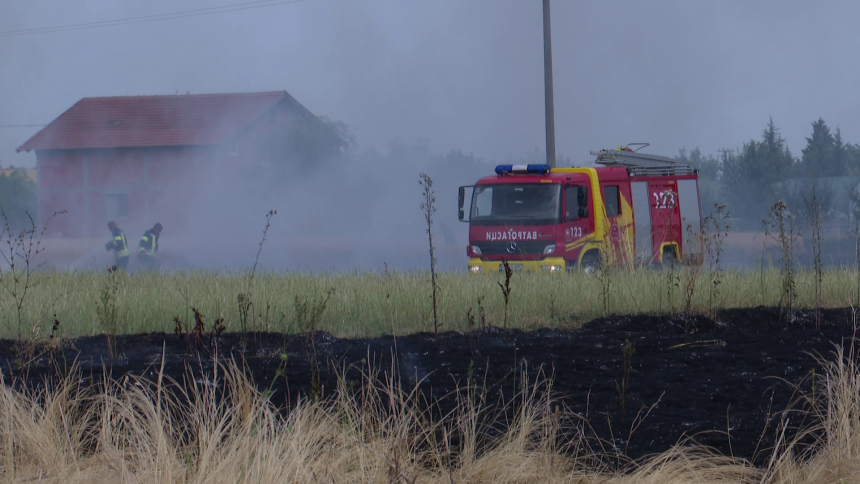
372	304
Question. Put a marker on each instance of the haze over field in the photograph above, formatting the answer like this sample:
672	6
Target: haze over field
460	75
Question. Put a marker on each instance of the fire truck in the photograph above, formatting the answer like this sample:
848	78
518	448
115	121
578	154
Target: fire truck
635	208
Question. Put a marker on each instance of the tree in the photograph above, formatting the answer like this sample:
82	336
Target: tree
851	152
820	156
840	155
306	143
463	166
400	151
748	174
798	194
18	200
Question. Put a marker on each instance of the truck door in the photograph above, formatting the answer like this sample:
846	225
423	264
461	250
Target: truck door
577	220
665	218
642	217
464	195
619	220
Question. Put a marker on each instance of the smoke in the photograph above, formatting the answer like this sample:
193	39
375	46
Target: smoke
359	212
465	75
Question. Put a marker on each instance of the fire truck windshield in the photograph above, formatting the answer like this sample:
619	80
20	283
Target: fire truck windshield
516	204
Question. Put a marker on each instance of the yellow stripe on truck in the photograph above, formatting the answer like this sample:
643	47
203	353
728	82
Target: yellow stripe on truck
578	243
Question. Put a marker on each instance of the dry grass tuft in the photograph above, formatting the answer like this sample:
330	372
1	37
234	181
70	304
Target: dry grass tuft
221	429
835	407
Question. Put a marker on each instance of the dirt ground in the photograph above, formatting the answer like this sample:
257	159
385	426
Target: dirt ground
726	382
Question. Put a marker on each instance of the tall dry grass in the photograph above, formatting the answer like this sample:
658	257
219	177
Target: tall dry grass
834	409
221	429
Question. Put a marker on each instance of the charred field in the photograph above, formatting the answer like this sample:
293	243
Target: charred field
639	383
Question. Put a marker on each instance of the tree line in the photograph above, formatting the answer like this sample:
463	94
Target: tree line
753	177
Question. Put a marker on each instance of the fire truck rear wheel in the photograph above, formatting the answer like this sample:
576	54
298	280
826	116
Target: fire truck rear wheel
590	263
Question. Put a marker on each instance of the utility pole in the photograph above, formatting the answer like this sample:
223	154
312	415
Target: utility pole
547	79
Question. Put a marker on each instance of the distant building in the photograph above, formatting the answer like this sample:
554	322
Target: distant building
140	158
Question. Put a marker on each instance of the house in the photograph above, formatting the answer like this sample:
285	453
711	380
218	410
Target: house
141	159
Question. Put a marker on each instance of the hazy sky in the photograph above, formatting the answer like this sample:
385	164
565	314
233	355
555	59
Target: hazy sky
462	73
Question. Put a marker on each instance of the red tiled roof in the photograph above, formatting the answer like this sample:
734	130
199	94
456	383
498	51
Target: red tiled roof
132	121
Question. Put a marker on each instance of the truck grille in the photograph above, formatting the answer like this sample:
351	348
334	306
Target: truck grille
531	247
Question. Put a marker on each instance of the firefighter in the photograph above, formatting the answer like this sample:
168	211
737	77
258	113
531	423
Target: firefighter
149	247
118	245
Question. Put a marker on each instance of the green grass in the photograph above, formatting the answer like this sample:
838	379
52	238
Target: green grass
369	304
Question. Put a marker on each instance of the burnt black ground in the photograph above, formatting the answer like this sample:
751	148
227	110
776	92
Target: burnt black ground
704	378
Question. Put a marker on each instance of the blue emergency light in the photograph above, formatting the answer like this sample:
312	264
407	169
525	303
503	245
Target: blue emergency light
522	169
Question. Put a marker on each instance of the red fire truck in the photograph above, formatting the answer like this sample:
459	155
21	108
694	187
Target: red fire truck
636	208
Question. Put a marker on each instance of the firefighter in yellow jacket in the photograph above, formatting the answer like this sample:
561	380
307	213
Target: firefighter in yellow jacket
118	245
148	247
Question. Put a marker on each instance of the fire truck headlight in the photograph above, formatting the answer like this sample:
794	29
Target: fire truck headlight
476	250
551	268
475	269
549	249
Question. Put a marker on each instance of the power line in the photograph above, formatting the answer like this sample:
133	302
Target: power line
149	18
22	125
102	22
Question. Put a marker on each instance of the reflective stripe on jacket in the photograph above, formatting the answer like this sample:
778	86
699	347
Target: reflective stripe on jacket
120	246
148	244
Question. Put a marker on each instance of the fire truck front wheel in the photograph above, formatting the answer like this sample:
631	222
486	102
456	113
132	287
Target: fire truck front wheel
590	262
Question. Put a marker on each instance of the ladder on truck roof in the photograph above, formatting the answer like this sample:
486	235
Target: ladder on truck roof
642	164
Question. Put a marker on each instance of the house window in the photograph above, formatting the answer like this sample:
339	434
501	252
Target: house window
115	206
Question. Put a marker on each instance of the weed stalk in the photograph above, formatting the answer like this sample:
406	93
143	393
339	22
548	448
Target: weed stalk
816	221
107	310
627	352
428	207
245	299
604	276
781	225
308	315
19	255
506	289
718	230
694	253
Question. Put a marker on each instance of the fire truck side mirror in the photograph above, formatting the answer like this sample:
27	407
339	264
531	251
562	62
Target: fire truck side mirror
582	197
583	212
460	199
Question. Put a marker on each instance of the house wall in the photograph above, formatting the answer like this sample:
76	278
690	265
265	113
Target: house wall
159	184
248	154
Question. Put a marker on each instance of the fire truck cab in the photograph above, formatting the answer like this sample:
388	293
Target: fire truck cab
635	209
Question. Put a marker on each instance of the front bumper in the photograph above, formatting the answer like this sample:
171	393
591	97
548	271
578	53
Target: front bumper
549	264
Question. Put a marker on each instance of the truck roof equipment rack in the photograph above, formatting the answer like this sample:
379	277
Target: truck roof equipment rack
641	164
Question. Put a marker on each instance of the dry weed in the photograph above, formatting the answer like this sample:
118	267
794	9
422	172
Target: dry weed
219	428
